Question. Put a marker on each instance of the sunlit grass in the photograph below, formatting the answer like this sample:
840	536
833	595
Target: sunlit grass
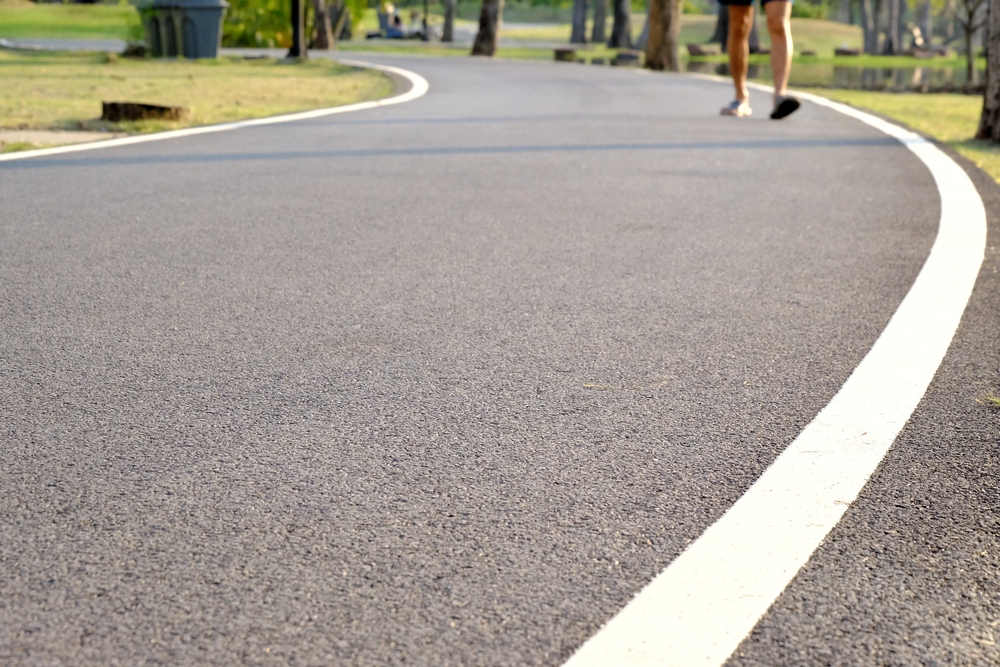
951	119
44	90
19	19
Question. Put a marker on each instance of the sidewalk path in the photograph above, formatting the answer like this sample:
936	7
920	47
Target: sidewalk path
447	383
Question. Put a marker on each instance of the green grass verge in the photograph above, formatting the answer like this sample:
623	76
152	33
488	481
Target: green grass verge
807	34
45	90
951	119
15	146
68	21
887	62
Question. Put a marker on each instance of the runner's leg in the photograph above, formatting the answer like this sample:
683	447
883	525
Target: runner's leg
779	13
740	23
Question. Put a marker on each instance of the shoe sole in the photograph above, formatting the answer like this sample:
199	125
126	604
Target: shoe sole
786	107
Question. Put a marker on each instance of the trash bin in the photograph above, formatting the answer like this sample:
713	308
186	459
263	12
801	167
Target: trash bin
189	28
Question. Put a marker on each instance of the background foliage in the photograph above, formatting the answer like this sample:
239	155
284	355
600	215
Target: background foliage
267	23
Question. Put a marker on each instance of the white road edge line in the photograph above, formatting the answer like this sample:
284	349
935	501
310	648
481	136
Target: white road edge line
420	87
699	609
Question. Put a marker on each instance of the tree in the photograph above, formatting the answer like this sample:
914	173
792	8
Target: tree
579	33
664	26
448	32
989	122
343	19
322	31
298	49
621	31
971	16
644	35
486	38
924	21
891	45
598	35
721	33
870	24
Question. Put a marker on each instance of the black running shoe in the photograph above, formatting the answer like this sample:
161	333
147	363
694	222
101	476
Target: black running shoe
784	106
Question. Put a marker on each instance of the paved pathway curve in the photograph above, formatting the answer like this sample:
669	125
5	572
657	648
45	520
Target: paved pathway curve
447	383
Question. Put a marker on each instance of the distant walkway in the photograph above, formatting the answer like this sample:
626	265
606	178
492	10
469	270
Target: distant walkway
41	44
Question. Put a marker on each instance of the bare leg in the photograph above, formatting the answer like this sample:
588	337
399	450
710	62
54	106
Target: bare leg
740	22
779	13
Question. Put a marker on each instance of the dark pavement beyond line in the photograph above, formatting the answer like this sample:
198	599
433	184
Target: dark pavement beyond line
446	383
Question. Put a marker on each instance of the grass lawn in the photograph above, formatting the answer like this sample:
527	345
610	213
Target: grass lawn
27	19
820	36
44	90
951	119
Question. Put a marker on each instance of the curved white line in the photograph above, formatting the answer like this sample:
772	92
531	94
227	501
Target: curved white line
699	609
418	89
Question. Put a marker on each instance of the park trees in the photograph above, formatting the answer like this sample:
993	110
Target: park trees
323	38
870	12
621	30
600	21
448	32
989	122
664	26
892	45
971	15
578	35
489	18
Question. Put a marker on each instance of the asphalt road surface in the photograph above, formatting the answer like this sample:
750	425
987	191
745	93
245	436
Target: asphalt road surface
447	383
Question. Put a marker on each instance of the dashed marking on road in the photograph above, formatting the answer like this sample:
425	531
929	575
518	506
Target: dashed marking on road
699	609
418	89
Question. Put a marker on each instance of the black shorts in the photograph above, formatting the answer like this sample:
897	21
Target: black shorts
745	3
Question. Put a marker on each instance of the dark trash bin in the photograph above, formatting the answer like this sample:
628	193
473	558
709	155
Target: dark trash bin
188	28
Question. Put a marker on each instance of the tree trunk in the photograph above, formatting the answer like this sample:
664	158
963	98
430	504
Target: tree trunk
579	34
341	27
721	34
844	11
971	74
448	33
323	39
664	26
892	30
925	22
621	32
901	27
868	25
644	35
989	122
877	6
298	48
489	19
598	36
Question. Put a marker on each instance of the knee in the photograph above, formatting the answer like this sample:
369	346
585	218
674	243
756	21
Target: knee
740	21
776	25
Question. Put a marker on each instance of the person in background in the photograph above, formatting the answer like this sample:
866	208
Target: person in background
395	30
779	13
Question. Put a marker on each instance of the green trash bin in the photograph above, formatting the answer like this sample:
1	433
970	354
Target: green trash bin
188	28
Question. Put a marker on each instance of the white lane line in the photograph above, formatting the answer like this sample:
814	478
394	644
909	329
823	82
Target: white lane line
698	610
419	88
